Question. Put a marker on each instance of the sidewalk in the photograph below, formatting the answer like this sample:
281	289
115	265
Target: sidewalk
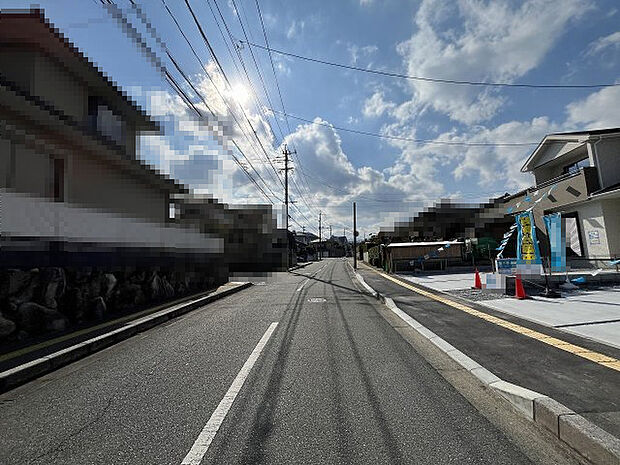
584	385
591	313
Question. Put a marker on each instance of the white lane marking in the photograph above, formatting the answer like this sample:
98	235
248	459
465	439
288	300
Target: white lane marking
308	279
202	443
302	285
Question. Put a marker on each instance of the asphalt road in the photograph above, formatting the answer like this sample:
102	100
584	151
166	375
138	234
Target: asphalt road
335	383
586	387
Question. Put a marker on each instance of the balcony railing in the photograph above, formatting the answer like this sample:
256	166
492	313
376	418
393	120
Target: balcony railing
569	188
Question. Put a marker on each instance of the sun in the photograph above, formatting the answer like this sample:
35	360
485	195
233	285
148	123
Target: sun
240	93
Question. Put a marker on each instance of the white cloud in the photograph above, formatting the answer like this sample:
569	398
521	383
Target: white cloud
375	105
296	28
497	42
200	152
232	7
282	64
335	182
499	167
358	52
496	168
598	110
611	41
366	2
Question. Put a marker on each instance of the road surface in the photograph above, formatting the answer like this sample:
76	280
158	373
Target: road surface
331	383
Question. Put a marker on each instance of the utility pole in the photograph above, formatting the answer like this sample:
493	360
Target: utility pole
319	247
286	153
330	231
354	238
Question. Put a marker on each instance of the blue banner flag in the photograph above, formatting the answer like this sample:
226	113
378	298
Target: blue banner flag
527	245
557	241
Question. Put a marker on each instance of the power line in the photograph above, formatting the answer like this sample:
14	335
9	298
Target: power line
249	81
219	93
275	76
133	33
409	139
258	103
430	79
260	74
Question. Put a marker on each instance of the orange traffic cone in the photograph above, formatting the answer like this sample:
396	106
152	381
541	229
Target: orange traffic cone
477	282
519	290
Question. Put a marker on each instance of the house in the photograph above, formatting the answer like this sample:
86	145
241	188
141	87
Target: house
67	132
85	228
407	256
304	237
577	174
69	173
252	241
447	219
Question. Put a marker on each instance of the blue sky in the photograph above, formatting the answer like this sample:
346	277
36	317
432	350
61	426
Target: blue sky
534	41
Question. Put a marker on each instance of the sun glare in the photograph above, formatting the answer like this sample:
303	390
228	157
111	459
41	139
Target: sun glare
240	93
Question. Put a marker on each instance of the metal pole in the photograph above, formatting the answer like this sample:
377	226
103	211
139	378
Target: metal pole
319	244
354	238
288	245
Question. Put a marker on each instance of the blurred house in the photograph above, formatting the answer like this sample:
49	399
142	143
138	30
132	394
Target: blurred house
252	241
447	220
69	175
304	237
407	256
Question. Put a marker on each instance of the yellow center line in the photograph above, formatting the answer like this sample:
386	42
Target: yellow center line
582	352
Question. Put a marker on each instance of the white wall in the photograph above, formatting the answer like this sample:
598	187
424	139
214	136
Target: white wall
592	220
611	209
25	216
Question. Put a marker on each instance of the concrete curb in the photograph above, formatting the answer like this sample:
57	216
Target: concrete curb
303	265
592	442
21	374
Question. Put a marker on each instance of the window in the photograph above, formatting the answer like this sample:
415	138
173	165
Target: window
575	167
102	119
59	179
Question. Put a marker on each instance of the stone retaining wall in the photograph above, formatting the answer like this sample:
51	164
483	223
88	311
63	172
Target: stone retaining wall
40	302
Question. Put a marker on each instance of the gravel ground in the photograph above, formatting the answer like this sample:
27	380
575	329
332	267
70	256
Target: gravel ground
477	294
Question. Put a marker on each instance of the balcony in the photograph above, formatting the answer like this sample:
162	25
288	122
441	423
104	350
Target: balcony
565	190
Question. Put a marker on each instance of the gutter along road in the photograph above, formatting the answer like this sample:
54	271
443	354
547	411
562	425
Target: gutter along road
301	370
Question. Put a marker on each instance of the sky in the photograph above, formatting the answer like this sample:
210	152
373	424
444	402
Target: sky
428	128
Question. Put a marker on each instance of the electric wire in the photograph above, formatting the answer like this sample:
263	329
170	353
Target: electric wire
221	96
275	76
133	33
409	139
431	79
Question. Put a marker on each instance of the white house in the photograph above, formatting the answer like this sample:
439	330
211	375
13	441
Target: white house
577	174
